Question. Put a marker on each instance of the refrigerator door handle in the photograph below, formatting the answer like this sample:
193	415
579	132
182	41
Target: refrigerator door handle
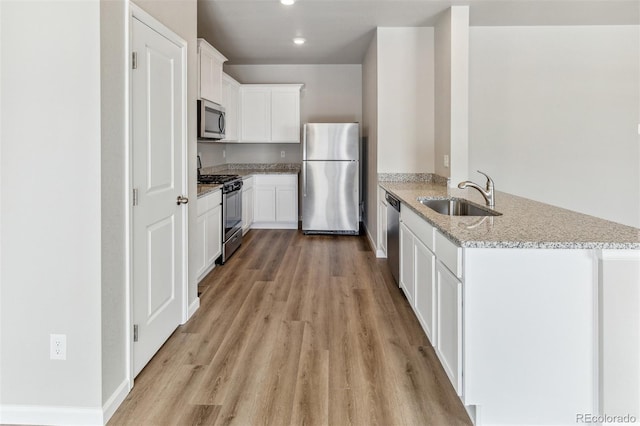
304	179
304	142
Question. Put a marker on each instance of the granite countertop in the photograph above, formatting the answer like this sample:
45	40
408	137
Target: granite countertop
246	170
524	223
205	188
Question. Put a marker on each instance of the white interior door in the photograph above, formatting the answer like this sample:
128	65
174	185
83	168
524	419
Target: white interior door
158	176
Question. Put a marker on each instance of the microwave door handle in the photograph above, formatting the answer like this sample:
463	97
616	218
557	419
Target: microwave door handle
221	123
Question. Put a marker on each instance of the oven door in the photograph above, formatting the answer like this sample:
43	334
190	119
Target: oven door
232	212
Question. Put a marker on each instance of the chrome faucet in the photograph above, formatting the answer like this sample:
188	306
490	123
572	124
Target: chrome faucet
487	193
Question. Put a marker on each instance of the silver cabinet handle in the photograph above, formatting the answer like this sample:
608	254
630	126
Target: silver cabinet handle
182	200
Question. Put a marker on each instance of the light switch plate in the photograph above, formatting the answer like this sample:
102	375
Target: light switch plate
446	160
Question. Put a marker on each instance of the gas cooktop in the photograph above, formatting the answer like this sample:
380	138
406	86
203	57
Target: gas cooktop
219	179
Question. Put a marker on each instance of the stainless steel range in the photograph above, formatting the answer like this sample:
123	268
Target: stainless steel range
231	211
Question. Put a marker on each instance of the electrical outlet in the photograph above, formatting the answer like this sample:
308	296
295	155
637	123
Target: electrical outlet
58	346
224	153
446	160
281	154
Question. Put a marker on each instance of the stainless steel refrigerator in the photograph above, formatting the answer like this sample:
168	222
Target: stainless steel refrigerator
331	178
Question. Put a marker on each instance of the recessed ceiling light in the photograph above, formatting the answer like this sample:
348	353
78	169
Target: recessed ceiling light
299	40
287	2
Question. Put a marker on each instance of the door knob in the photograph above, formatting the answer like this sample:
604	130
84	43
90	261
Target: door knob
182	200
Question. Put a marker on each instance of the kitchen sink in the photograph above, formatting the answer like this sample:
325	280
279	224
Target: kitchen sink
457	207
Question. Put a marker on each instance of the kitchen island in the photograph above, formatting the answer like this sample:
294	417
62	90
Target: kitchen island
533	313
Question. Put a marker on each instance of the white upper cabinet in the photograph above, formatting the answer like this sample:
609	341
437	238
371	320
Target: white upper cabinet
255	113
270	113
231	104
209	72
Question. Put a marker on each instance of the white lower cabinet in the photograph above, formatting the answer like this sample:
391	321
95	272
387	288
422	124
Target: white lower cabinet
425	297
275	201
247	204
209	233
407	263
515	329
434	292
449	323
382	224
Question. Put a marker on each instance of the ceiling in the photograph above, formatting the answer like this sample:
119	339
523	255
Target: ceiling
339	31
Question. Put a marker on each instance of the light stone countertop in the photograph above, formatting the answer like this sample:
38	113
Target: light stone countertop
205	188
524	223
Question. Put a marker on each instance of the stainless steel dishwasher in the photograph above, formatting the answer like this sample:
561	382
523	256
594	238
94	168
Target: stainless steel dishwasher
393	235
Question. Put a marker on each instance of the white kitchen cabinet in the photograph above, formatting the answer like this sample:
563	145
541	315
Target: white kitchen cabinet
382	224
208	233
209	72
275	201
270	113
425	288
507	318
449	322
417	271
407	272
231	104
247	204
255	113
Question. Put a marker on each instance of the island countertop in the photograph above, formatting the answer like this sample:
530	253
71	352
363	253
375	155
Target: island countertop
524	223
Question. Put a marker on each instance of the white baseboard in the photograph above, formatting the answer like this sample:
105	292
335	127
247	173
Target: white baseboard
44	415
52	415
193	307
115	400
275	225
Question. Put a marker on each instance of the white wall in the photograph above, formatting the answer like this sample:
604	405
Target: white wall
51	208
405	100
370	137
451	93
554	115
330	93
114	196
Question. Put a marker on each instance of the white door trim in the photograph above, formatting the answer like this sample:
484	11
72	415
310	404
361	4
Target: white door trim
134	11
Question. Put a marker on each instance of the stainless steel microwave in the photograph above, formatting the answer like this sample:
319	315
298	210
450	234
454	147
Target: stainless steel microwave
210	121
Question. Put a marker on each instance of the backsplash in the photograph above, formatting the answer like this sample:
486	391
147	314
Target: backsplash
413	177
252	166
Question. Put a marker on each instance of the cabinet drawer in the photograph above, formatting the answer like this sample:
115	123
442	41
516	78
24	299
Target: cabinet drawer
276	180
449	254
420	227
208	202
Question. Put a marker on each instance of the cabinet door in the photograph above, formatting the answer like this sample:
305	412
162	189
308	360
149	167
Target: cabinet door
247	209
449	325
425	285
231	102
213	235
285	115
382	228
287	203
255	106
200	252
264	209
210	76
407	263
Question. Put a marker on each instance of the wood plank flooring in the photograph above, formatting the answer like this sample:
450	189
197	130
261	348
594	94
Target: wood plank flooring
296	330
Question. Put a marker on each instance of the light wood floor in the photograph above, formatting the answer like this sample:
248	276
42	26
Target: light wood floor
296	330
